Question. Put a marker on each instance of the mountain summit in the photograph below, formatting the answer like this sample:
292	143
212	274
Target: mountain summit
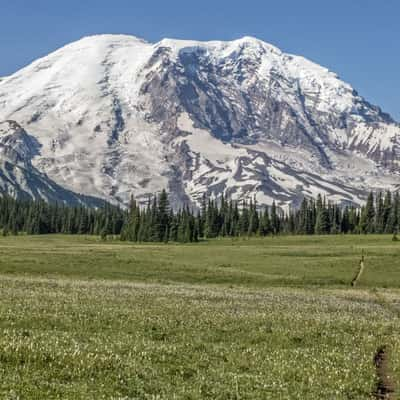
112	115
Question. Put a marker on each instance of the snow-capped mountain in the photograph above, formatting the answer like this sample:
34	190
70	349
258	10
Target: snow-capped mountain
111	116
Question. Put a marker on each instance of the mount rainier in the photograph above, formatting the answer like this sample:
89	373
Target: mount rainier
111	116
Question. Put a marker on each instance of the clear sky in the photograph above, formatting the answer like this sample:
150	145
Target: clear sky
358	39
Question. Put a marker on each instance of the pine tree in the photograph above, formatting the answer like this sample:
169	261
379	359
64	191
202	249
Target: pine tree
387	207
367	221
380	222
244	220
275	224
253	219
163	217
392	225
322	225
265	223
345	221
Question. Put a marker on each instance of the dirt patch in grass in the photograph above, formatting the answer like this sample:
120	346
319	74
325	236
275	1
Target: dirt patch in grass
385	388
359	272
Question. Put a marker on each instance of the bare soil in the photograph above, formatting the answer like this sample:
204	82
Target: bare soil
385	389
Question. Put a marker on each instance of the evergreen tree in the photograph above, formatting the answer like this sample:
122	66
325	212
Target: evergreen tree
392	225
163	217
367	221
387	207
322	224
380	222
275	224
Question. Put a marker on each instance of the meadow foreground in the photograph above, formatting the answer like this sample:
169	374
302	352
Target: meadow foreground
272	318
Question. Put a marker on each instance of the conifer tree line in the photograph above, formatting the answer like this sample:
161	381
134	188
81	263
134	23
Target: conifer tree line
158	222
227	218
39	217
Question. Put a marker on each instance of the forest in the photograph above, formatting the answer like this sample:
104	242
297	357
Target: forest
158	222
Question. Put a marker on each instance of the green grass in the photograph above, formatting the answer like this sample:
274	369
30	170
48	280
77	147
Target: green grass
270	318
281	261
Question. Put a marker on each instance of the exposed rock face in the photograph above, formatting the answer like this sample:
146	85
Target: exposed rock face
20	179
111	116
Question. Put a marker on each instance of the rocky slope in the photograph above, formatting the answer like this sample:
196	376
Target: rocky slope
110	116
20	179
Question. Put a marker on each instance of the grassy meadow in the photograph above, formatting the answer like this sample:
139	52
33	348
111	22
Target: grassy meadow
272	318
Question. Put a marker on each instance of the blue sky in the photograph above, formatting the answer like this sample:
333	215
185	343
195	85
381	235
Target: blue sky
358	39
